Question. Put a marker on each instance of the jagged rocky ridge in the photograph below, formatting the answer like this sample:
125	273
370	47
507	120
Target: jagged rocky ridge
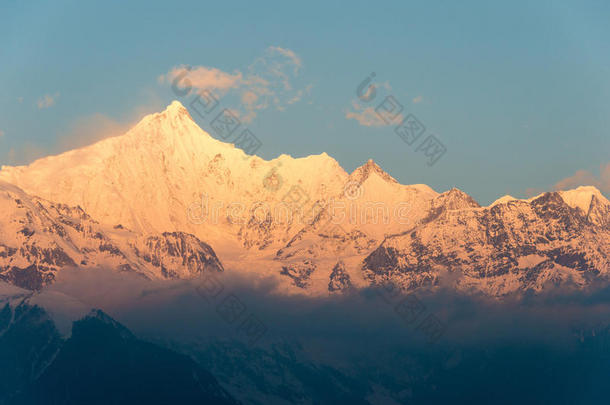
507	247
38	238
169	183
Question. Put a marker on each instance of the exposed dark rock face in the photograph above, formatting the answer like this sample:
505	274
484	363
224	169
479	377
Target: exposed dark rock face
178	250
33	277
509	246
300	273
40	238
599	213
512	246
339	278
258	233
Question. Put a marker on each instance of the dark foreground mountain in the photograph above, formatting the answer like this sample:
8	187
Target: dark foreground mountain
507	372
492	354
101	363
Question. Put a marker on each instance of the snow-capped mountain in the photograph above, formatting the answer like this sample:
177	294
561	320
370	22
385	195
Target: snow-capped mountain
555	238
38	238
351	225
305	220
157	176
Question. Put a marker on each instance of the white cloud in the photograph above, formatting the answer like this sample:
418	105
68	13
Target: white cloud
80	132
26	153
586	178
249	97
87	130
300	93
47	101
368	117
296	60
205	78
267	82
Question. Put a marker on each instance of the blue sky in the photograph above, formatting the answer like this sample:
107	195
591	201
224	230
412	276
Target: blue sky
518	93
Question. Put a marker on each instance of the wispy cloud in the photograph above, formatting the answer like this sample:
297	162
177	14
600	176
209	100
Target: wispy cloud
586	178
27	152
267	82
46	101
89	129
368	116
533	191
295	59
205	78
300	94
78	133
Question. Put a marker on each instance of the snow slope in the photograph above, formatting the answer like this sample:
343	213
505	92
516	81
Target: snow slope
38	238
304	220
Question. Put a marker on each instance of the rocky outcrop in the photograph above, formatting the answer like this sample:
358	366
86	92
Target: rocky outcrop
339	279
39	238
512	246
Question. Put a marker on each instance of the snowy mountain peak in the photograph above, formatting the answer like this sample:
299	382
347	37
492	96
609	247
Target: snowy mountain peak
362	173
156	192
582	196
174	110
170	123
176	107
38	238
455	199
502	200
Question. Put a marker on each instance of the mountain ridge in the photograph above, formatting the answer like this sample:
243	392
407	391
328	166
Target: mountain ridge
298	218
38	238
39	366
177	115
